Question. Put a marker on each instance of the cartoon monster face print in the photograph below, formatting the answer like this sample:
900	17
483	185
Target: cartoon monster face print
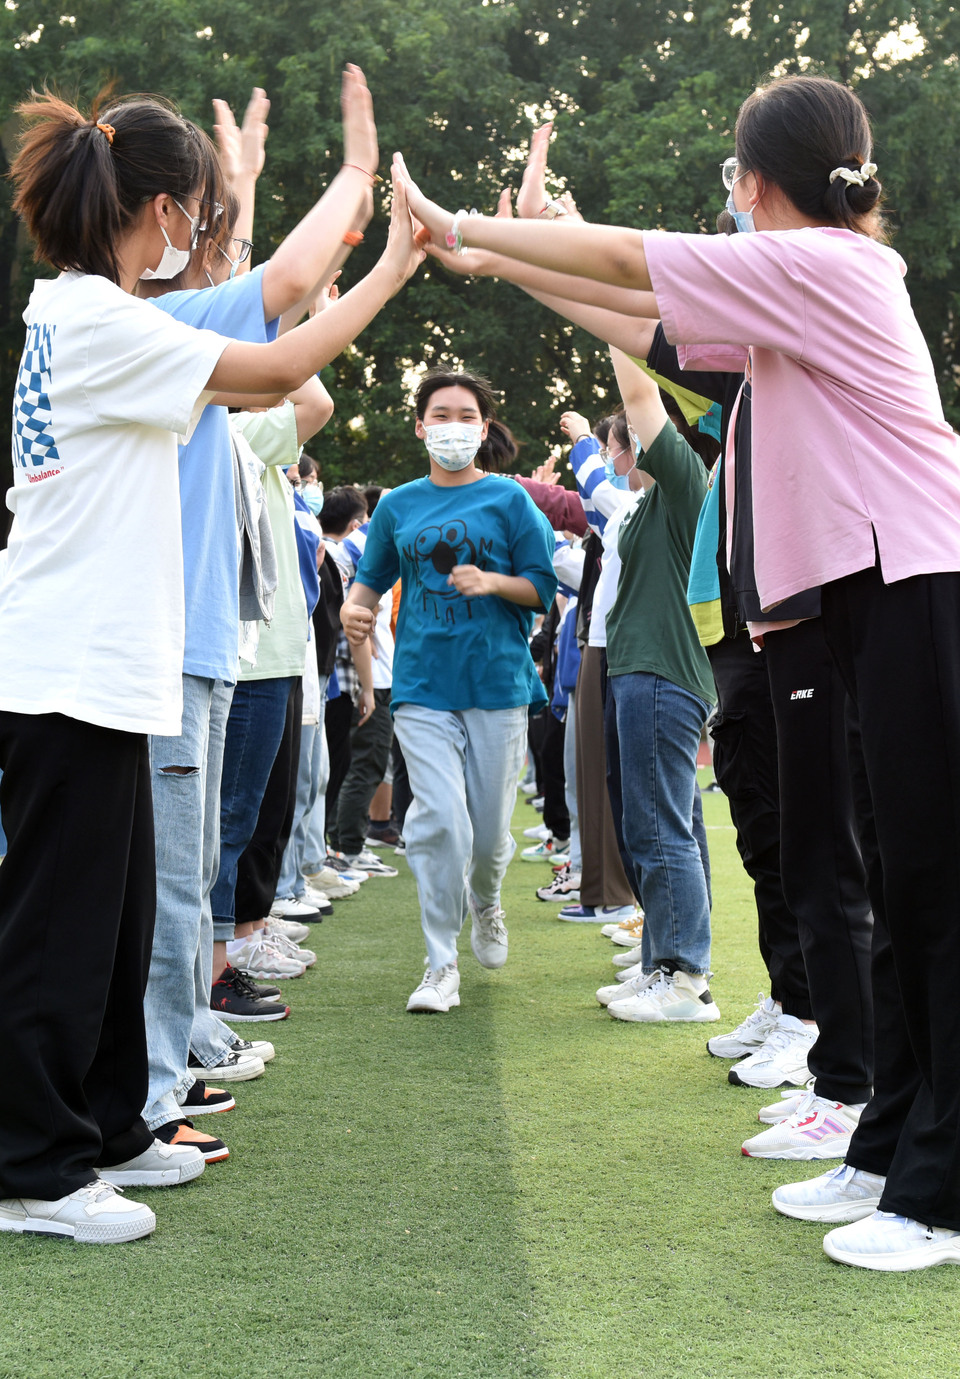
435	551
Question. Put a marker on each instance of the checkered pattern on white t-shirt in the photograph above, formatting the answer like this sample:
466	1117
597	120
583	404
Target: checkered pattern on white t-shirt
33	443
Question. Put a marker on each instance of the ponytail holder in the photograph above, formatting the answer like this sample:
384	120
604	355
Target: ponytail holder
353	238
108	130
852	177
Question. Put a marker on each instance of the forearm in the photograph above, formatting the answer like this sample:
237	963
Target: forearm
312	251
515	589
363	660
602	253
641	399
245	188
632	334
290	360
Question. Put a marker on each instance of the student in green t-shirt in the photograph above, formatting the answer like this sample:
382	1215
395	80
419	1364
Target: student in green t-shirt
662	692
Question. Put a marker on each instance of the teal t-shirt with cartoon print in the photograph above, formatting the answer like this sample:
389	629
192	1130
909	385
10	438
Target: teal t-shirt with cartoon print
455	652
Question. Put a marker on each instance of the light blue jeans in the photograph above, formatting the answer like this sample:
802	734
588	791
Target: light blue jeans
186	813
659	726
313	772
463	767
570	783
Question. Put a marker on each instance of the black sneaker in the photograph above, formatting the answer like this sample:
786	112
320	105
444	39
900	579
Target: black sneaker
235	997
182	1132
202	1100
381	835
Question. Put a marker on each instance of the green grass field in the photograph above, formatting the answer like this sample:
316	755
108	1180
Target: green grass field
523	1187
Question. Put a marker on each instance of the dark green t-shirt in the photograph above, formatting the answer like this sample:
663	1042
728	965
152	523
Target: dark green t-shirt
649	627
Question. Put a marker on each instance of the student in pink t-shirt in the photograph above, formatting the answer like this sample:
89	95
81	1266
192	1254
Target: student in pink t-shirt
856	488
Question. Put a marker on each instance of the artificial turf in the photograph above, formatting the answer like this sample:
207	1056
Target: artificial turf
521	1188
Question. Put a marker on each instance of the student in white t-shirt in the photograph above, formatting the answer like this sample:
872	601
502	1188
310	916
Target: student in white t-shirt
91	634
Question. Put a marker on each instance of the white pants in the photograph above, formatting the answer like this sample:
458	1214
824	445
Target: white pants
463	767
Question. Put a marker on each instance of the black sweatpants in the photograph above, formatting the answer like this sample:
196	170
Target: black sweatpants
258	869
77	908
744	734
820	863
369	756
898	650
556	816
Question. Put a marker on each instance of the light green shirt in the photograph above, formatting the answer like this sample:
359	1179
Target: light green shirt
272	436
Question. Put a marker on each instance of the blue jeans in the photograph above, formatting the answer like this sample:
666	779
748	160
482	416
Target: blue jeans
463	768
312	774
186	823
658	726
254	730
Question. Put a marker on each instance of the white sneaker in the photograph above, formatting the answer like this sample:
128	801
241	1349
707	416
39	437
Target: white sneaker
317	900
336	885
258	958
93	1215
289	928
438	992
238	1064
291	908
253	1048
671	996
750	1034
843	1193
162	1165
371	864
539	831
627	974
548	850
618	991
340	889
818	1129
786	1106
628	932
624	917
528	787
287	947
893	1244
488	936
782	1058
629	959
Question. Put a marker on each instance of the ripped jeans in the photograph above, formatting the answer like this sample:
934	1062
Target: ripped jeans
186	811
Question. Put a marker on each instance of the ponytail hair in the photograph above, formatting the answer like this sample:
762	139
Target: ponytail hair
80	183
798	131
500	449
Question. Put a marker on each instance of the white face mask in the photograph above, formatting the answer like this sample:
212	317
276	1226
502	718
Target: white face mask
453	445
172	260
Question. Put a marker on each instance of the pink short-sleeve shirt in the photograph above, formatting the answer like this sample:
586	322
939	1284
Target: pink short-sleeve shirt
849	436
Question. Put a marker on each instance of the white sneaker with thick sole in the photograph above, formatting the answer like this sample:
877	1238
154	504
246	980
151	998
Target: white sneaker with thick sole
488	936
332	884
162	1165
893	1244
438	992
287	947
539	832
236	1065
628	932
618	991
291	908
780	1110
781	1060
93	1215
289	928
258	958
750	1034
371	864
623	917
549	850
671	996
818	1129
843	1193
629	959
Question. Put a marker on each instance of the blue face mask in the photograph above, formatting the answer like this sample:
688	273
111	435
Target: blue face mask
618	480
742	219
313	497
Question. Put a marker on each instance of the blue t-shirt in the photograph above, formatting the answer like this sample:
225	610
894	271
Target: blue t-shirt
208	511
455	652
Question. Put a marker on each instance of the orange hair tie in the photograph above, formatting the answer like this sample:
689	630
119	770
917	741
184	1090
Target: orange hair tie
108	130
353	238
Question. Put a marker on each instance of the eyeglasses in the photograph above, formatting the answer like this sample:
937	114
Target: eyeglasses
728	171
244	248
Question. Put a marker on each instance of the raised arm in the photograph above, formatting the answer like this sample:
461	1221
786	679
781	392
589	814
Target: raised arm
242	156
641	399
291	359
314	248
603	253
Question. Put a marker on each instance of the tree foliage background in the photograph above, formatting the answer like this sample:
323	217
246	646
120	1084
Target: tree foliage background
645	94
